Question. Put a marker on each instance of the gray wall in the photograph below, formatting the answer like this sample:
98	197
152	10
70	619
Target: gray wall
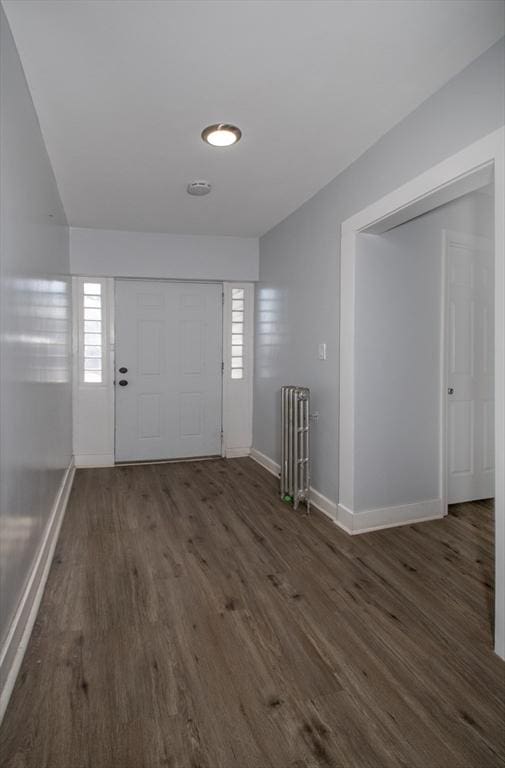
398	322
298	291
111	253
35	389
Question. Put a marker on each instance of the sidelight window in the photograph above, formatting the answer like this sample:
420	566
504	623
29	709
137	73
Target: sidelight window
237	333
93	336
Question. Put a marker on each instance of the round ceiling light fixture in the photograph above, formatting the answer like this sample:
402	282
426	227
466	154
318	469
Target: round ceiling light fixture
221	135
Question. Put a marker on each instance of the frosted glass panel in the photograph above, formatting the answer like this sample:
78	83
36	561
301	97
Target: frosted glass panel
92	301
92	326
93	288
92	314
92	364
92	351
93	338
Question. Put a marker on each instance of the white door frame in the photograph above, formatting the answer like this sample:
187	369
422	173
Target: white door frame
463	172
94	405
448	237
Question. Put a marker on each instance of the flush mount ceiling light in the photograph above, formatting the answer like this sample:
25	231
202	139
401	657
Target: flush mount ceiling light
221	135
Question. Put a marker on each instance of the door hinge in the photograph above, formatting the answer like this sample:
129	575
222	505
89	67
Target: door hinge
222	369
222	298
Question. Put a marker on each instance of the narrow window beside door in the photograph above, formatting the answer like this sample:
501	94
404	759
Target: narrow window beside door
92	361
237	333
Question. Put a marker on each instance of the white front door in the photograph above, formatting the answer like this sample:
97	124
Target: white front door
168	369
470	368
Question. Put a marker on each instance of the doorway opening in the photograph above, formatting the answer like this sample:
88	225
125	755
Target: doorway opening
424	357
365	488
425	332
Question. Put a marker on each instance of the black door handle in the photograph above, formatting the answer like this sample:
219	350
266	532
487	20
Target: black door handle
123	383
123	370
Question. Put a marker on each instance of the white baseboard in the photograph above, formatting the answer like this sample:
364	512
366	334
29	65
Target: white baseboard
390	517
94	460
237	453
335	512
266	462
355	523
16	642
325	505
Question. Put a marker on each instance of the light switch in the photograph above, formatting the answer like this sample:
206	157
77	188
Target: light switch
322	350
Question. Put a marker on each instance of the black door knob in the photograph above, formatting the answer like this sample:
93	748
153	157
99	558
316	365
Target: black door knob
123	383
123	370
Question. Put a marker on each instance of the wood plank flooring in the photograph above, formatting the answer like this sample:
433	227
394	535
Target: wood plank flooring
192	620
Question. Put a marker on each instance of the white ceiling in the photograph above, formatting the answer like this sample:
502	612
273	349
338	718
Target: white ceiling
124	88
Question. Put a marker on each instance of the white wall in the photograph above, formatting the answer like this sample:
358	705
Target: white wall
397	363
111	253
35	340
298	296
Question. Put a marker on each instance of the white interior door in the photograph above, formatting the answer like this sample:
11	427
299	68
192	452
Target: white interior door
169	343
470	368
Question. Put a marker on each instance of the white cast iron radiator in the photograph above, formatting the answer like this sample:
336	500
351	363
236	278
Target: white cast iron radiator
295	463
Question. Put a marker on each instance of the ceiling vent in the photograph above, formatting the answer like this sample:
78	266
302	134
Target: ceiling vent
199	188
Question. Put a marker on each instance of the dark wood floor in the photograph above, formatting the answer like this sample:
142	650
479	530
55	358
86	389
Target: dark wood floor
192	620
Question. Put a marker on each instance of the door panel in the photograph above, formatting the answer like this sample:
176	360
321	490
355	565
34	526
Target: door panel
150	348
461	437
462	335
470	373
169	337
149	416
191	414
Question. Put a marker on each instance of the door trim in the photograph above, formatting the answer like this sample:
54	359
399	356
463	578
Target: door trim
237	421
481	158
